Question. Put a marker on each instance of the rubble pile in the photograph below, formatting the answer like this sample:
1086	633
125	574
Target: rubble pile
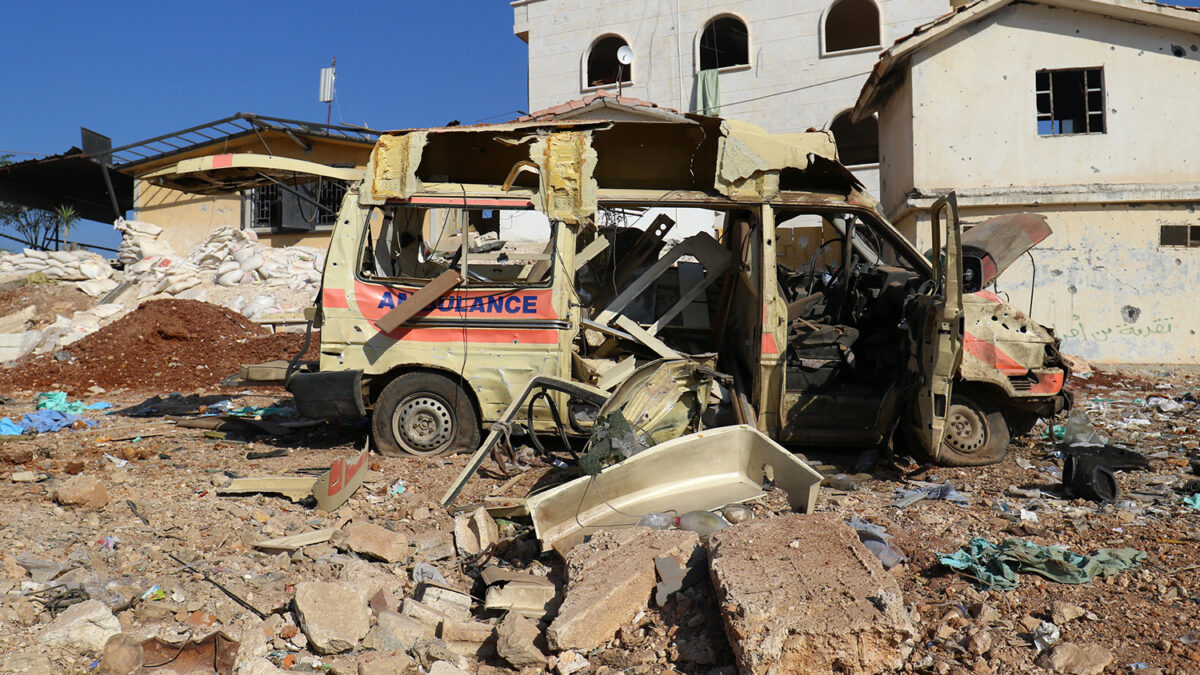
164	345
142	554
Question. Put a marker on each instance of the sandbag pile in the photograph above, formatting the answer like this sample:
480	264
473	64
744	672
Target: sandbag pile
56	265
236	257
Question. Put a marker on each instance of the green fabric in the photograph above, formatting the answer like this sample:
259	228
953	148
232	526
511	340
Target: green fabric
252	411
57	400
708	93
996	567
1193	501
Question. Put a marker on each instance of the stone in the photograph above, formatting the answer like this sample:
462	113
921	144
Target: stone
429	652
1064	612
82	490
610	578
516	639
466	637
394	662
475	532
1072	659
122	655
446	668
801	594
333	615
980	642
374	541
570	662
395	631
433	545
85	626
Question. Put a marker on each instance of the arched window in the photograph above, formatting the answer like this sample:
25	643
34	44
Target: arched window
724	42
602	63
851	24
856	143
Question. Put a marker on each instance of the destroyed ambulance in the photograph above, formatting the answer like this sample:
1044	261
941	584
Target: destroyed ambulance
469	260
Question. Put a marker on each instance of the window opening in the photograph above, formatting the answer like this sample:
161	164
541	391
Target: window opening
265	206
856	143
1070	101
1182	236
603	66
851	24
724	42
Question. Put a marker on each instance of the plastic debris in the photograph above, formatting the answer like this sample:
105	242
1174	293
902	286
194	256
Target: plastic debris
944	491
1046	635
1193	501
877	541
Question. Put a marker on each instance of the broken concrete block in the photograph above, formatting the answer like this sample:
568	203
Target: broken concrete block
1072	659
387	663
394	631
475	532
448	601
516	639
530	595
423	613
433	545
333	615
446	668
82	490
801	594
122	655
429	652
610	579
570	662
469	638
374	541
85	626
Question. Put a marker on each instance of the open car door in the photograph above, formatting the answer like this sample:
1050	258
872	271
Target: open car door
941	339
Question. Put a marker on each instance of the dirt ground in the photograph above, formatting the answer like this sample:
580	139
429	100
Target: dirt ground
161	481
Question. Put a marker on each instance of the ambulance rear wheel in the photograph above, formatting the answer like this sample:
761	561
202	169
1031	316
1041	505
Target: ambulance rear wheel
424	414
976	433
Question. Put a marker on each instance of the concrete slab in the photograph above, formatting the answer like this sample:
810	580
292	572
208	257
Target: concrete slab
801	594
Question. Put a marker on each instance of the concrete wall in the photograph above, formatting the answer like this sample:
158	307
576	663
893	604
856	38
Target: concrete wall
1104	284
188	219
785	55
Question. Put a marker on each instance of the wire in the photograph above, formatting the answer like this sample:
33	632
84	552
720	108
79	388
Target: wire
789	91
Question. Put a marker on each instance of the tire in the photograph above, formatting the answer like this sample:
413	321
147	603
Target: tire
976	434
424	414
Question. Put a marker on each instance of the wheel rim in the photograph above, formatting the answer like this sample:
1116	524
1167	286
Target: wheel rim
423	424
966	432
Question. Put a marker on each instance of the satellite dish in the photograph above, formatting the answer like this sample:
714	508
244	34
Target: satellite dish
625	55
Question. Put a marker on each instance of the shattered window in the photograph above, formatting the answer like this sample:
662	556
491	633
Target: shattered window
1070	101
603	67
502	247
1187	236
724	42
851	24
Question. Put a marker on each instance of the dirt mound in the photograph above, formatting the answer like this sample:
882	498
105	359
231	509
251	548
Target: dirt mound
163	345
50	300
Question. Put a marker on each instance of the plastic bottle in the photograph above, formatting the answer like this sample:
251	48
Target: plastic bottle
736	513
702	523
841	481
656	520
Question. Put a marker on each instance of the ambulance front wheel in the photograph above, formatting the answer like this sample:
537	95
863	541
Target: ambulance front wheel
424	414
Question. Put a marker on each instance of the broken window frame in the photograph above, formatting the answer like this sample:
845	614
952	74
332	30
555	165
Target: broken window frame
846	115
832	11
626	77
1094	119
701	47
1185	236
463	263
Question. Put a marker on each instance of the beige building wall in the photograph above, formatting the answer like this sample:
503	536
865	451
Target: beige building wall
966	119
188	219
791	83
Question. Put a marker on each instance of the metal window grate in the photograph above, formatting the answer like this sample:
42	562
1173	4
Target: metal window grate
266	206
1070	101
330	198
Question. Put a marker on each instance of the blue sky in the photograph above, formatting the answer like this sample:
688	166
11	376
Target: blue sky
132	70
